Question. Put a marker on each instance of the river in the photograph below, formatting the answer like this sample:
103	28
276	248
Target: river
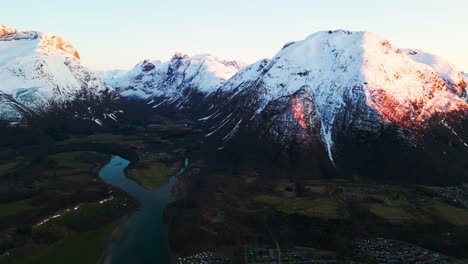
144	238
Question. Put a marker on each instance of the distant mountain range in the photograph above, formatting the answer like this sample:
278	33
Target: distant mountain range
339	99
202	73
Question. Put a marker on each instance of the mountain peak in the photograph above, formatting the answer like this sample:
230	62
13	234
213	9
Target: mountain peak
179	55
337	33
147	66
51	43
362	57
39	71
46	42
6	30
339	73
11	34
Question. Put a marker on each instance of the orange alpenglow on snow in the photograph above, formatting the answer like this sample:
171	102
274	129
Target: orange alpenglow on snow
298	112
51	43
47	43
6	30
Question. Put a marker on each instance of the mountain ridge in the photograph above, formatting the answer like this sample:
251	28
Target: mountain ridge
290	70
153	78
327	99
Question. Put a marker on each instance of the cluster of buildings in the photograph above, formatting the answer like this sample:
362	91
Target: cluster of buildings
297	255
381	251
206	257
455	195
261	255
392	251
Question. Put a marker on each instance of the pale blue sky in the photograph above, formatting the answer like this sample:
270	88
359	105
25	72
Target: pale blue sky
119	33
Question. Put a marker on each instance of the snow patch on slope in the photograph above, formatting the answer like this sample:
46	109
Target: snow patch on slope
454	132
209	72
245	77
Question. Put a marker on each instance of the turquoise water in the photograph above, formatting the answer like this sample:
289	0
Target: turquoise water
144	238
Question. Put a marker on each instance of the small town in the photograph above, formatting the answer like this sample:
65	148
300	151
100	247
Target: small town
455	195
207	257
392	251
378	250
296	255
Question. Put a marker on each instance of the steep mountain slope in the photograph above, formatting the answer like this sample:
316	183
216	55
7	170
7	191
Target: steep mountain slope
41	72
336	89
175	81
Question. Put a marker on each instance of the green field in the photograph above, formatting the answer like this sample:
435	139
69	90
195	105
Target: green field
455	216
52	176
7	167
394	215
153	176
13	208
73	160
85	213
324	208
103	138
63	180
80	248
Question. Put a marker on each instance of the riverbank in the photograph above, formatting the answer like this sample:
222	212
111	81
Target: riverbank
69	211
144	236
155	175
40	179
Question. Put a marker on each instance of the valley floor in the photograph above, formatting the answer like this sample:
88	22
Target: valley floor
54	207
236	214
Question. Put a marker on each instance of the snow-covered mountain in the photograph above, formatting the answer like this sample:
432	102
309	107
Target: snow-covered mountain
41	72
337	98
173	81
337	86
